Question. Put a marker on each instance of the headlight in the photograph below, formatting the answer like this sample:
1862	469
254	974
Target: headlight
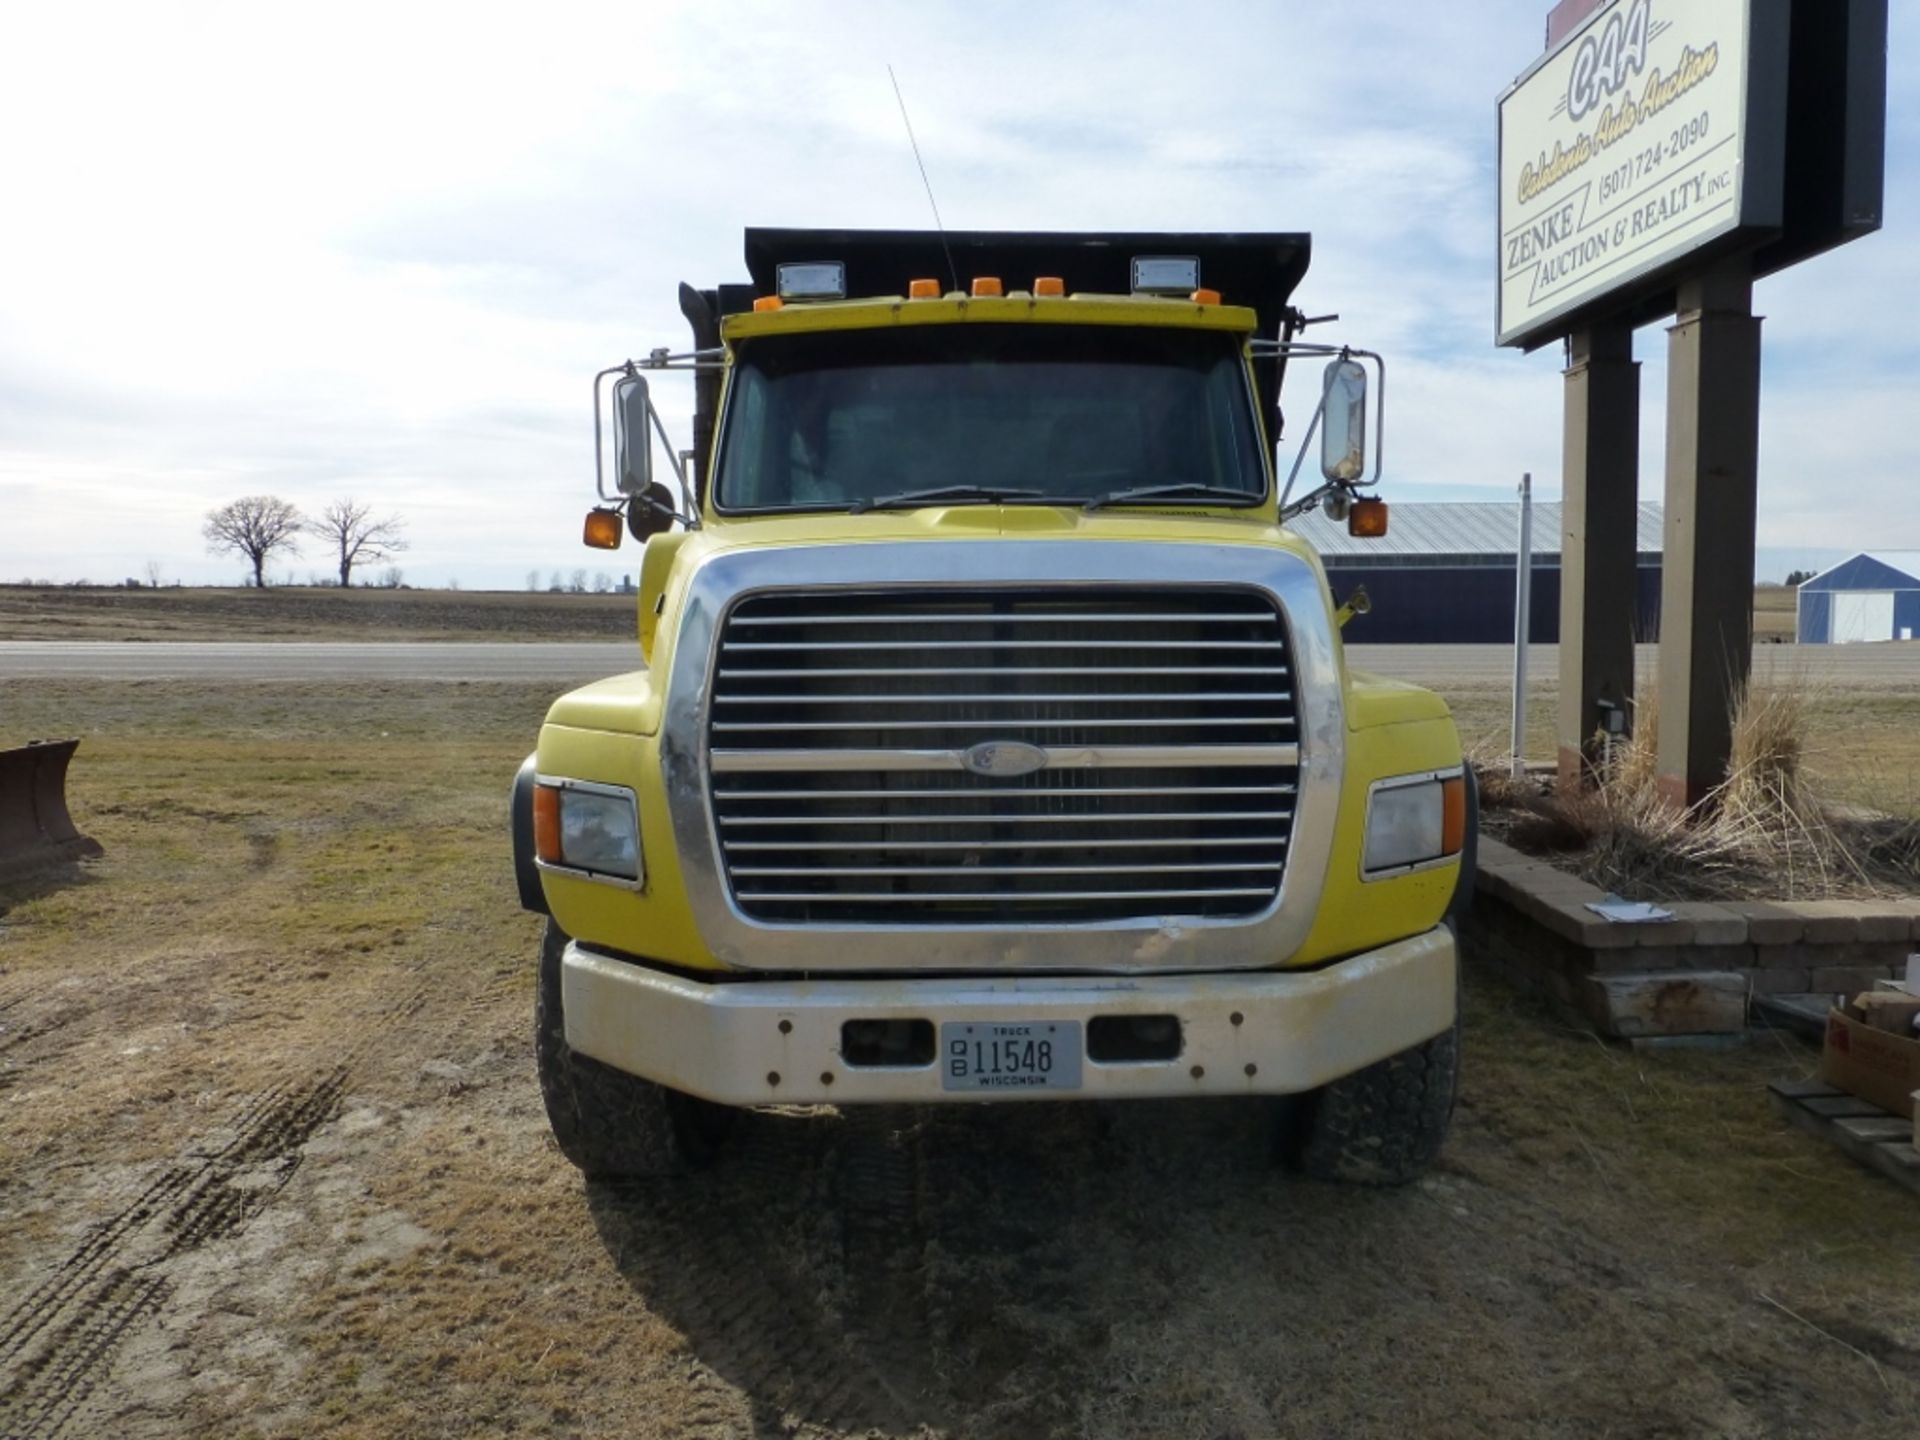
580	825
1415	820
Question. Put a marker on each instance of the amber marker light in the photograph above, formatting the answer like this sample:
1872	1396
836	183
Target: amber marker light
1049	286
546	823
923	289
764	303
1453	815
603	529
1205	297
1367	519
986	287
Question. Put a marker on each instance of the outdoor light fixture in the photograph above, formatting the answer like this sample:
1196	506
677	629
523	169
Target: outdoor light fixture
1166	275
812	280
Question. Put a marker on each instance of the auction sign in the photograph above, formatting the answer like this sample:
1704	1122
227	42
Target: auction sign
1654	130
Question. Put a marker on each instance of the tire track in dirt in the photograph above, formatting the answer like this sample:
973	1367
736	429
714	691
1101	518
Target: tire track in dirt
720	1256
20	992
881	1206
60	1340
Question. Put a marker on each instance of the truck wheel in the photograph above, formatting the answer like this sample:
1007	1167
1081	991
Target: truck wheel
610	1124
1385	1124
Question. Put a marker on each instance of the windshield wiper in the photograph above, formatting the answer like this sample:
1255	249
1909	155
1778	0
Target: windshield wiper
908	499
1168	492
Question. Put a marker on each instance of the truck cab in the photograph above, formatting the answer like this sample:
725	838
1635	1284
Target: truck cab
991	737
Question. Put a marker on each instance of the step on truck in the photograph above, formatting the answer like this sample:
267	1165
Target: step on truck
991	736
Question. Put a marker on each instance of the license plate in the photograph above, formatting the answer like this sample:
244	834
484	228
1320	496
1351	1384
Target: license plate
1010	1056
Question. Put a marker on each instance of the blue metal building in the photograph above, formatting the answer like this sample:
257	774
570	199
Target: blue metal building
1873	596
1444	572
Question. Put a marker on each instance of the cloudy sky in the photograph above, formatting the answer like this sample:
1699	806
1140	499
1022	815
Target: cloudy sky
378	251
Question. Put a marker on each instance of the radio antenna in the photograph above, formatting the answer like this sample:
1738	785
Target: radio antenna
952	269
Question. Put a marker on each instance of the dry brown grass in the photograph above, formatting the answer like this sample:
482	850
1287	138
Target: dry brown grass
300	875
1765	832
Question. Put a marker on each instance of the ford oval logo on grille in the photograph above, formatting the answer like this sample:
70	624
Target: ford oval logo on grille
1004	759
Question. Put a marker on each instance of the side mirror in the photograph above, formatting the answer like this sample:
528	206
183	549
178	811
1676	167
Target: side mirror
1343	434
632	436
650	513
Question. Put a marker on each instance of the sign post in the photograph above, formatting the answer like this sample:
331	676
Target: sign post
1706	582
1599	543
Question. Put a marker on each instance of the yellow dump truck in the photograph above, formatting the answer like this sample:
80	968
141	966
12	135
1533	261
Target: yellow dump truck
991	737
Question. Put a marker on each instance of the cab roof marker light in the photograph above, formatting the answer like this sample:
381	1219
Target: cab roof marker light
1049	285
1166	275
811	280
987	287
763	303
923	289
1205	297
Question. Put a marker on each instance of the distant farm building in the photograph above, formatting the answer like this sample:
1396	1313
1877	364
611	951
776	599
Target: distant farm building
1445	573
1873	596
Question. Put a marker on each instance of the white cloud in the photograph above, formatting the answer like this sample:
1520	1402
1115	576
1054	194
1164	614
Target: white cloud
380	250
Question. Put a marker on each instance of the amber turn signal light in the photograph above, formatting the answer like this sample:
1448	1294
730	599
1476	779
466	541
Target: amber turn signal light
767	302
1049	285
546	823
1453	815
603	529
986	287
923	289
1205	297
1367	519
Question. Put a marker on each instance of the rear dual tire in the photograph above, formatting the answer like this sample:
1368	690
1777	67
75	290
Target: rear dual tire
612	1125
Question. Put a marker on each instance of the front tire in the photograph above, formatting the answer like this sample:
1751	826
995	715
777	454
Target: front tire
610	1124
1383	1125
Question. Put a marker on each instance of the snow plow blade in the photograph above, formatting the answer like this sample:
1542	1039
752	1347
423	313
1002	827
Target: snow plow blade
36	832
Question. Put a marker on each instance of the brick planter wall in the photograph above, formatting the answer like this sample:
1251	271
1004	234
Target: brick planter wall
1692	974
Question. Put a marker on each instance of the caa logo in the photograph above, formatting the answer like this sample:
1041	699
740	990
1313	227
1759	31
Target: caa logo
1608	56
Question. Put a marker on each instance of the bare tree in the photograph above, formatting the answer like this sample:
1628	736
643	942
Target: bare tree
578	584
255	527
391	578
153	574
602	582
533	579
356	536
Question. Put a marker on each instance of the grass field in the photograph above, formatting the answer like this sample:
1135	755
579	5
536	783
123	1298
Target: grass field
272	1163
303	613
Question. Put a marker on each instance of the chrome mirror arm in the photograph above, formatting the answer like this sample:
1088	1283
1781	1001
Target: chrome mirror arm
1287	349
657	360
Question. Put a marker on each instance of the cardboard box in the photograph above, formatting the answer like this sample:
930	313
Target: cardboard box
1870	1063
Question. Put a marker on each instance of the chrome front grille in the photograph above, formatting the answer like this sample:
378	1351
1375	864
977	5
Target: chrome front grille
846	731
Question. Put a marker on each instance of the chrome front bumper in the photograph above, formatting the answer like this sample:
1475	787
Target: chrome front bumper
754	1042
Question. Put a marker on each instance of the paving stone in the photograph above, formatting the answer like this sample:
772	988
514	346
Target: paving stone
1769	922
1847	980
1692	1002
1712	924
1777	980
1829	922
1886	924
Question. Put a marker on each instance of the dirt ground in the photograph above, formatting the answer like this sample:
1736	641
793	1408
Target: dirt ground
272	1163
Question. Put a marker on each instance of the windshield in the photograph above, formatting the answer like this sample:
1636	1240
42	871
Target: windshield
1025	414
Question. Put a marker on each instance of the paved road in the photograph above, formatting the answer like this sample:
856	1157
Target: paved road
1891	666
